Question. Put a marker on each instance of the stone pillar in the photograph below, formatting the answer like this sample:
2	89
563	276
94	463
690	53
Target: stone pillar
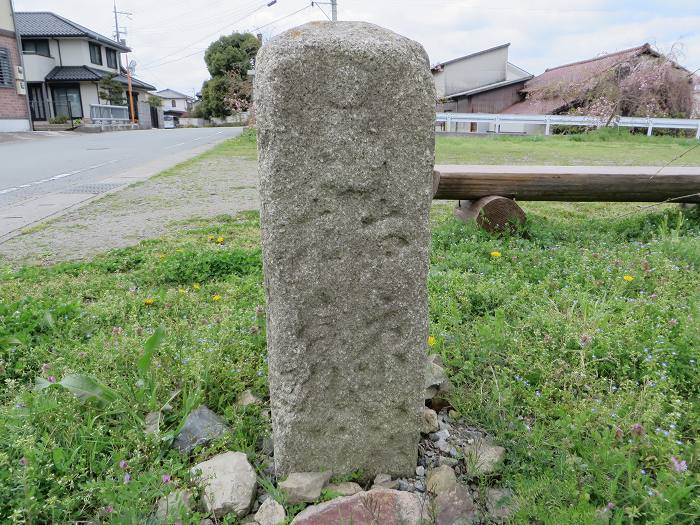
346	116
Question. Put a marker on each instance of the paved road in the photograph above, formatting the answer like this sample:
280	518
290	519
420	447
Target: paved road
33	167
41	176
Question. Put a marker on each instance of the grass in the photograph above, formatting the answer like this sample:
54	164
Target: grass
604	147
589	380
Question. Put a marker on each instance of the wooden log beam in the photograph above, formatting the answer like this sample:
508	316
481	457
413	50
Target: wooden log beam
569	183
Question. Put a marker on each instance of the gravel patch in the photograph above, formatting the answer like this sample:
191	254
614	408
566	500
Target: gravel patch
208	188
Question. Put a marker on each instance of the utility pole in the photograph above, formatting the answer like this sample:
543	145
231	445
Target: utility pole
117	33
334	10
118	37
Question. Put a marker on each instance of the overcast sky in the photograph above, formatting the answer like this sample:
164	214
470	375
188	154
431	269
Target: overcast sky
168	38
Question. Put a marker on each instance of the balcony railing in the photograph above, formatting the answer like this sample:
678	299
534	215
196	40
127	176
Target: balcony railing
107	114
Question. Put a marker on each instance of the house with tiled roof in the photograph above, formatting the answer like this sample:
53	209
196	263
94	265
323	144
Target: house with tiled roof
175	104
64	63
560	89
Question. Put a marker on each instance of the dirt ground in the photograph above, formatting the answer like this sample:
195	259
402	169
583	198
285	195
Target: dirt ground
206	188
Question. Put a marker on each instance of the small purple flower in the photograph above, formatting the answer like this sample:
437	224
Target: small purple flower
679	465
51	379
24	462
610	505
108	509
166	478
123	464
637	429
585	340
127	478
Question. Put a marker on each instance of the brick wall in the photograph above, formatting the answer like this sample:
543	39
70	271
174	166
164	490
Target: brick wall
12	105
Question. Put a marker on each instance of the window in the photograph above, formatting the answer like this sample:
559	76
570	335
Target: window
5	68
67	101
95	54
36	47
173	103
111	58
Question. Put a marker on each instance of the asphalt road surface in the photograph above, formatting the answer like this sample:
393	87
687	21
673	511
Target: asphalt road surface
33	167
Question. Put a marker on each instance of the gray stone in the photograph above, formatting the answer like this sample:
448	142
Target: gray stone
482	457
420	471
229	483
441	479
173	506
450	462
436	381
345	115
384	481
440	435
201	426
268	446
443	446
152	423
304	487
456	507
346	488
246	398
270	513
501	505
376	507
429	421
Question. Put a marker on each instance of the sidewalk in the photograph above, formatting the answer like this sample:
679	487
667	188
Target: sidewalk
204	188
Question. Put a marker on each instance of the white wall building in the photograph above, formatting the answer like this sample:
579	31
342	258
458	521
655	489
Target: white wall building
64	63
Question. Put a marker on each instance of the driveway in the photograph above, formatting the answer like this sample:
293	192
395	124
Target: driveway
43	176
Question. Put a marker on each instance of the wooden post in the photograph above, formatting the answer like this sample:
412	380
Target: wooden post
494	214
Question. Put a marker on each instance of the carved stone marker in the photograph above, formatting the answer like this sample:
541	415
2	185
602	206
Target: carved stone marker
345	116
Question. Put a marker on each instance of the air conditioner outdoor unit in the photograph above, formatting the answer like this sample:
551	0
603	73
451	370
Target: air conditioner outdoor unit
19	72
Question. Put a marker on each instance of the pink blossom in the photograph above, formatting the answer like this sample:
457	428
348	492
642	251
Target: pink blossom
679	465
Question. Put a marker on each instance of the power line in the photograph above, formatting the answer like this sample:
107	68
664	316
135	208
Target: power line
153	65
281	18
267	4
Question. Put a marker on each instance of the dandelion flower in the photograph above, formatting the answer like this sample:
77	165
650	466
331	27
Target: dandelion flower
628	278
211	237
496	254
149	301
196	286
220	240
431	341
182	290
216	298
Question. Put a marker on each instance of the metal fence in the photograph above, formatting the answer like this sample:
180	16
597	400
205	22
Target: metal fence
105	114
449	122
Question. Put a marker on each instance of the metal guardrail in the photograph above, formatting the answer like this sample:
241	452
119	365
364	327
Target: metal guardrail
104	114
449	119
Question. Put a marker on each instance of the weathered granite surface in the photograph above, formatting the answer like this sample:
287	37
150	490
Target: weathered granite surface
345	116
